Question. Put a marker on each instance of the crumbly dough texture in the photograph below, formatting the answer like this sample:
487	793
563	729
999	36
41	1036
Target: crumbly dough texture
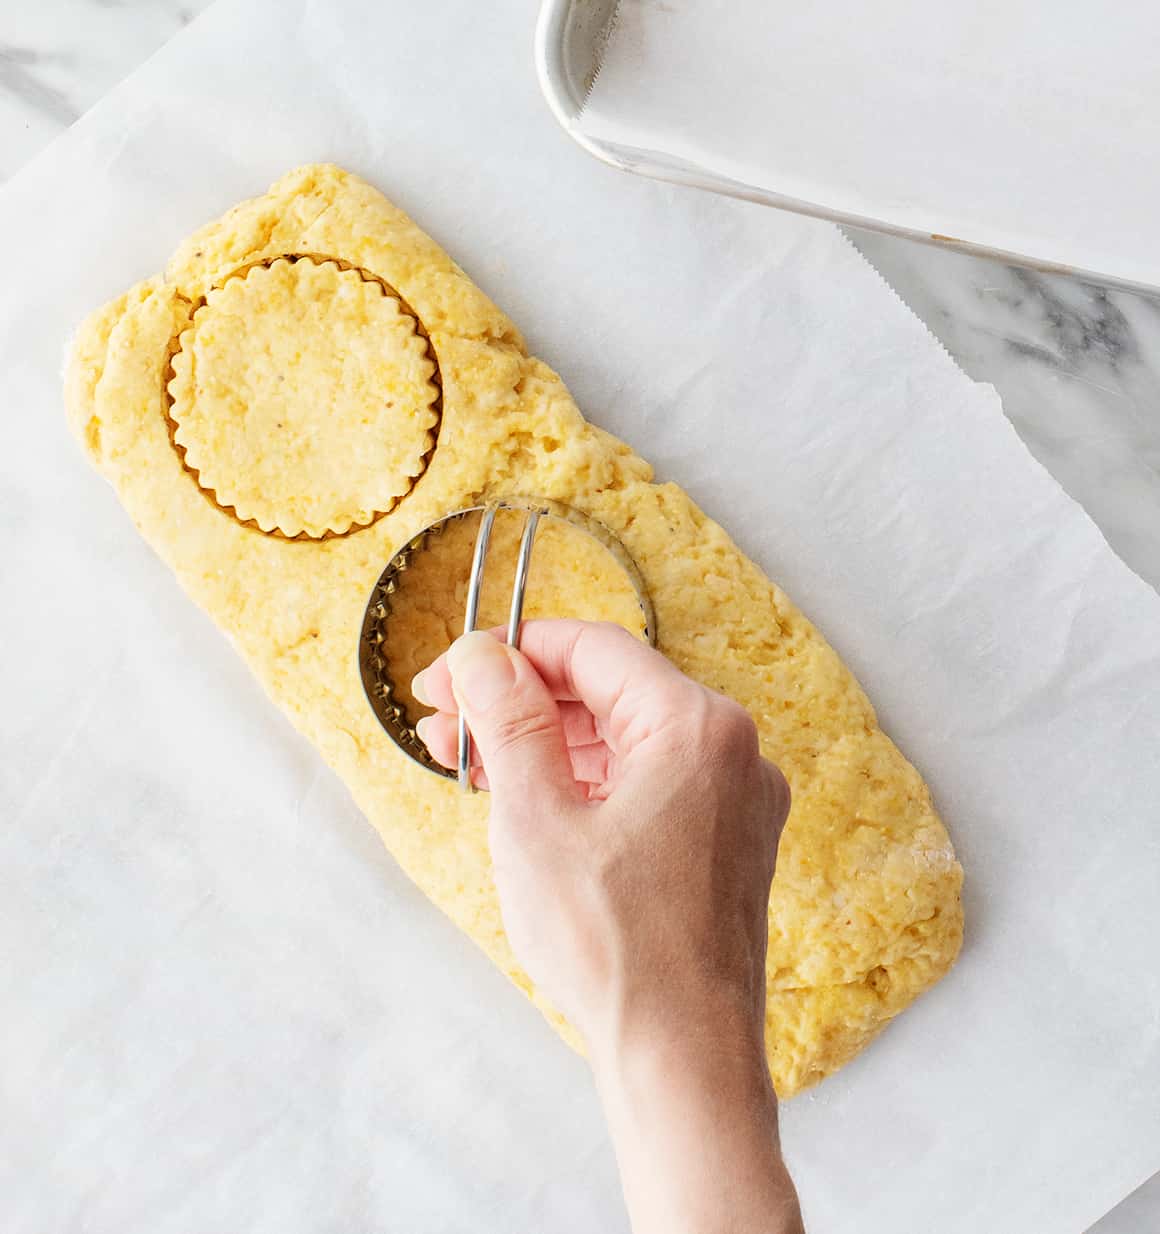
572	575
865	912
253	397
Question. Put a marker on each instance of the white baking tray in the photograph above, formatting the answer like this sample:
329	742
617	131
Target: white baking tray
1024	130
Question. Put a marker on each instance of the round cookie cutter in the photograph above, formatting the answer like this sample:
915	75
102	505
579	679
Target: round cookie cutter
372	652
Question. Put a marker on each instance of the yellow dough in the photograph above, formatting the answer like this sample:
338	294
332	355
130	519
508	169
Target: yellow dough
267	423
572	575
261	357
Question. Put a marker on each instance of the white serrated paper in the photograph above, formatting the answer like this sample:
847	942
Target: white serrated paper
222	1005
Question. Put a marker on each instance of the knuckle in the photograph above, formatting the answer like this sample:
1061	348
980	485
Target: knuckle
730	730
779	791
517	728
672	706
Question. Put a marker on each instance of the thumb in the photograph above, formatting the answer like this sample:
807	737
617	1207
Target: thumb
513	719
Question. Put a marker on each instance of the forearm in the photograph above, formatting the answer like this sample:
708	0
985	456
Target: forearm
634	828
694	1123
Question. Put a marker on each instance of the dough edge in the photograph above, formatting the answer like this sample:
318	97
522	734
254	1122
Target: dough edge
866	911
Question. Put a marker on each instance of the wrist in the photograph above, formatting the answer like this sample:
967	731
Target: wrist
693	1073
693	1117
680	1038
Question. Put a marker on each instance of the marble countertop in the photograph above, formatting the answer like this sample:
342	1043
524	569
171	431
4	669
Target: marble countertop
1077	366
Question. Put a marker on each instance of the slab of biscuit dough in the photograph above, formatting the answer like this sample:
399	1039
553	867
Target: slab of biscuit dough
277	477
574	576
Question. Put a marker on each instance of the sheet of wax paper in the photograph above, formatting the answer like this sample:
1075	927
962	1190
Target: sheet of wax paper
223	1005
1019	126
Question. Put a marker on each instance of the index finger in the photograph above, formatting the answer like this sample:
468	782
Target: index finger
598	664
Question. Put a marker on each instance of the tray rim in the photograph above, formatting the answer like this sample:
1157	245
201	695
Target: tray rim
556	30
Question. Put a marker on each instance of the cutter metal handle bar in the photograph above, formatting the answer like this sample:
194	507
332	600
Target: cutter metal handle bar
515	613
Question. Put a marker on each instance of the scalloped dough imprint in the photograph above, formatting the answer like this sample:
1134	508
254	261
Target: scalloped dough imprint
865	913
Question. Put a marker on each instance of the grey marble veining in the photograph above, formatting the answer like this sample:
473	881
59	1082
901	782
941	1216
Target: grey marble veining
1078	367
22	77
57	57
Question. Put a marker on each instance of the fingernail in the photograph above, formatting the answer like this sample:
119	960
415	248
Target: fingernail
481	670
419	690
423	727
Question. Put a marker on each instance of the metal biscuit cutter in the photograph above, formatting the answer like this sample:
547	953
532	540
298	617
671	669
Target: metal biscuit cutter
372	653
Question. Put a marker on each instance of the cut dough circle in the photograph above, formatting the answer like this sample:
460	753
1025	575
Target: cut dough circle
865	912
572	575
303	397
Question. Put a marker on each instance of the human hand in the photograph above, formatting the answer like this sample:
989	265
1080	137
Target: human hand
634	825
634	829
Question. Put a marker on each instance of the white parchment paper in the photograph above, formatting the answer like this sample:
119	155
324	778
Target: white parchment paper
1028	126
223	1008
